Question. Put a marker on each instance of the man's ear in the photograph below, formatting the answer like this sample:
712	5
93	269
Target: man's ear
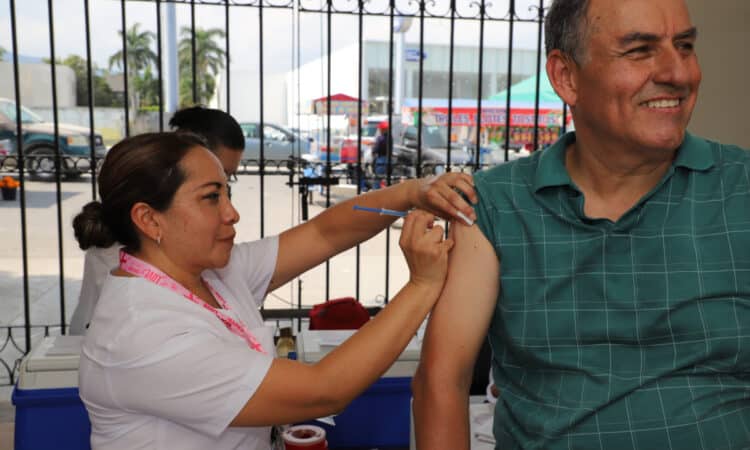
562	72
144	218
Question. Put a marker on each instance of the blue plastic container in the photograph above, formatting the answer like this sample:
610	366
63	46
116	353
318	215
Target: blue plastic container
50	418
377	418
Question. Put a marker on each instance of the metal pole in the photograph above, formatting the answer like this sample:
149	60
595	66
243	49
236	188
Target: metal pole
21	169
160	65
478	146
193	52
508	115
58	163
123	22
90	96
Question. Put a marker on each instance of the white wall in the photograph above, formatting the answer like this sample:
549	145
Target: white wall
36	84
313	81
245	96
723	48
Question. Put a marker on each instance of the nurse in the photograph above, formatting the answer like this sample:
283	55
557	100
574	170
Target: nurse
176	355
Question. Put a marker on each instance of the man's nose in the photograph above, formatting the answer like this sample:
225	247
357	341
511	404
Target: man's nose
674	68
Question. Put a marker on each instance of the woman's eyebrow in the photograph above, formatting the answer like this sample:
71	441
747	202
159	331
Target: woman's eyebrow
215	184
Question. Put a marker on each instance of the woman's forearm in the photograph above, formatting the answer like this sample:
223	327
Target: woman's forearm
374	348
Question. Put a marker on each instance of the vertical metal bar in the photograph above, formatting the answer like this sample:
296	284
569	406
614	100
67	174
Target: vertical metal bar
125	66
420	93
389	143
508	114
479	87
538	74
302	198
564	118
193	52
329	32
90	96
21	170
58	162
262	157
450	83
228	60
389	167
159	62
299	301
360	68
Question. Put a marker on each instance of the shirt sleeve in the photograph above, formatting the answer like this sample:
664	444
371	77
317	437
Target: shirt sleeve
97	264
484	221
187	374
252	265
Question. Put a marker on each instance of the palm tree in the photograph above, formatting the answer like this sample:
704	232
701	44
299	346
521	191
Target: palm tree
140	58
209	60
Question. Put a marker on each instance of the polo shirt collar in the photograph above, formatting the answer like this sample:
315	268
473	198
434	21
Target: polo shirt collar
551	170
693	154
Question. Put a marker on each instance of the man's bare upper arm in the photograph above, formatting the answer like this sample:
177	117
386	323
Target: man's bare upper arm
458	323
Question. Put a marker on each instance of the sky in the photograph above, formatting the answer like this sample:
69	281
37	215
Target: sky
68	15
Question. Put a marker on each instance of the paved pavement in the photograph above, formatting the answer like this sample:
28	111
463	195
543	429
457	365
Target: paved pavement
281	208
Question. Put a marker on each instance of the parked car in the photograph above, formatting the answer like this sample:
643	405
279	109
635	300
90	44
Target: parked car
434	156
38	141
280	144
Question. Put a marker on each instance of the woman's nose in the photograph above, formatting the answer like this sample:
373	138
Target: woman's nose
230	214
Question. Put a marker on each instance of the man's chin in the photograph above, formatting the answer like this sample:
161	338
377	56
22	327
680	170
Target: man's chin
665	141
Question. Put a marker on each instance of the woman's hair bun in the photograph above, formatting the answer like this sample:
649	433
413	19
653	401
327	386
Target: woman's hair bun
90	229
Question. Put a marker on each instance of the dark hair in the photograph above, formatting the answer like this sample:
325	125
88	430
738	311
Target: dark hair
215	126
565	28
144	168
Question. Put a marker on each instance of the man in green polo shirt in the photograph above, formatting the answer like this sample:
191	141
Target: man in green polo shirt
612	270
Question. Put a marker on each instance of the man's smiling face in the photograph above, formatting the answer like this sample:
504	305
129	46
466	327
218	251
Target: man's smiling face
638	79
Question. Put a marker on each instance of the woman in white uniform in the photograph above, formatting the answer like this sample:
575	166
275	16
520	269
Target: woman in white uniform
176	355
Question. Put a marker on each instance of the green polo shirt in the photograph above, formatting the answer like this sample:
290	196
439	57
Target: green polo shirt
628	334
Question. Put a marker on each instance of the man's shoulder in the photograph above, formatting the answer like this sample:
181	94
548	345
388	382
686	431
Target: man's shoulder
519	171
723	152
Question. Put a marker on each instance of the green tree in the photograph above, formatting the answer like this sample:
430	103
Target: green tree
103	95
148	85
140	57
209	60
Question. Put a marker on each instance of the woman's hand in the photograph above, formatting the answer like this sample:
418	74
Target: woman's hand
438	195
425	249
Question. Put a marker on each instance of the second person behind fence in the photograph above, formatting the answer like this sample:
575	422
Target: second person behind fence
223	136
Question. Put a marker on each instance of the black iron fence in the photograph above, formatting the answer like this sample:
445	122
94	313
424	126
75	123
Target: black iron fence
27	158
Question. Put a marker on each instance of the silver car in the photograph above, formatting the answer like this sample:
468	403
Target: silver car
279	143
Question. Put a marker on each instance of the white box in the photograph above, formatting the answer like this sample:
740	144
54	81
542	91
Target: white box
51	364
312	345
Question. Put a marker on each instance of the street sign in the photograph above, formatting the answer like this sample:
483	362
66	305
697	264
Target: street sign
412	54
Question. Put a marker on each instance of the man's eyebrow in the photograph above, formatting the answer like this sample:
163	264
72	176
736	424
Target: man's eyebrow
639	36
690	33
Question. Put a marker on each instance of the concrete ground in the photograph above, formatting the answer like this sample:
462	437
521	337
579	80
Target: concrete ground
44	246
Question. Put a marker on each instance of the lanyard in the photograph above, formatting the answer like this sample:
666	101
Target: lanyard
137	267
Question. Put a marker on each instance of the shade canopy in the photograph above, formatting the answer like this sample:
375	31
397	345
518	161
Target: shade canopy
523	93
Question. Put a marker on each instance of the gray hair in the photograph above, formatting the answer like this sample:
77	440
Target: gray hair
565	28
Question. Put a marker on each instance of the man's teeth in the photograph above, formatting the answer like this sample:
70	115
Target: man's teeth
663	103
